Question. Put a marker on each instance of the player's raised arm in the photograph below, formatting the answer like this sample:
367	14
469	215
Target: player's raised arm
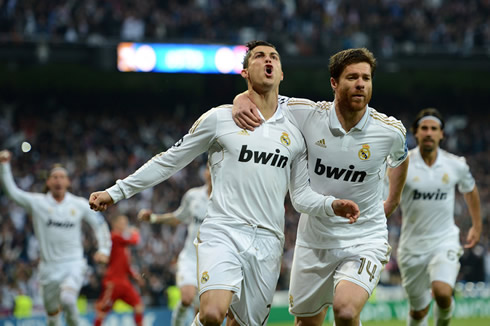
161	166
22	198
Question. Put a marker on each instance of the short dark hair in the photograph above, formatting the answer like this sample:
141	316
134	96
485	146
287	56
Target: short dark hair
252	45
342	59
425	113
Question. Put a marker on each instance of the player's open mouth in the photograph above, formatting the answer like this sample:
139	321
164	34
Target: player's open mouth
268	70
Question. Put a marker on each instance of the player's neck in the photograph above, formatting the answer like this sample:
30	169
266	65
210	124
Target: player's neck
429	157
266	102
209	189
348	118
58	197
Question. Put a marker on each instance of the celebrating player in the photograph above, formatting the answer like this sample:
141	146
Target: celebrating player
57	217
239	247
429	248
116	283
191	211
349	144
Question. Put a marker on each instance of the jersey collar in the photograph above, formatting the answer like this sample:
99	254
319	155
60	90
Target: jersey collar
420	161
278	115
335	123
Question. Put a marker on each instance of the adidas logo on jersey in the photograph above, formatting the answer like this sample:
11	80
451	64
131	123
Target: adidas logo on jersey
243	132
338	173
429	195
273	159
321	143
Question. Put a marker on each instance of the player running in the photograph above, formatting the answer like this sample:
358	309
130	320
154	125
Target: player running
240	243
116	283
57	218
429	247
349	145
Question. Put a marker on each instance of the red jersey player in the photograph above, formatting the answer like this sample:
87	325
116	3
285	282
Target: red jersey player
116	283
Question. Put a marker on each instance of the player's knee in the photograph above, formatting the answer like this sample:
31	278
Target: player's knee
344	311
419	314
187	300
68	298
211	316
139	308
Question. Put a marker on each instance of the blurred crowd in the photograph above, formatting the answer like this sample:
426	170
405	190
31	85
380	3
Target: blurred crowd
98	147
304	27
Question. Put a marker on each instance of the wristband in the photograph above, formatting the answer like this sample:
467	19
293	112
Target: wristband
153	218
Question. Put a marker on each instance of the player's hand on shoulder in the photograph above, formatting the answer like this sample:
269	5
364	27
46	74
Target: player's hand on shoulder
245	112
346	208
100	200
144	215
5	156
101	258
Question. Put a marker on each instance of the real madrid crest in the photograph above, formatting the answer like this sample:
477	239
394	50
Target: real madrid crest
285	139
364	152
204	277
445	178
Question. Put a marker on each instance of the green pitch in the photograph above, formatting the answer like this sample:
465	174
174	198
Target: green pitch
454	322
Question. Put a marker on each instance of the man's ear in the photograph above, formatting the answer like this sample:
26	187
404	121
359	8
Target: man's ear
244	73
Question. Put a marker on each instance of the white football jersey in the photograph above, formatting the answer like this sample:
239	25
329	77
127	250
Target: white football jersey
428	200
192	211
251	171
349	166
58	226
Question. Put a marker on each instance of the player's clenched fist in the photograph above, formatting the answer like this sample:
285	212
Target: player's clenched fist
100	200
4	156
346	208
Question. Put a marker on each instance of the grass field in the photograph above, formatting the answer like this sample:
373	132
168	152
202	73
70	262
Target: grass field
454	322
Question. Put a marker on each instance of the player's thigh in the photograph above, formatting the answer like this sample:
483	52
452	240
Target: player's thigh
444	265
128	293
74	277
311	283
186	270
416	279
362	266
106	297
261	263
51	297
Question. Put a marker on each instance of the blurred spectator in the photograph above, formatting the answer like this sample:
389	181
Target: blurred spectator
304	27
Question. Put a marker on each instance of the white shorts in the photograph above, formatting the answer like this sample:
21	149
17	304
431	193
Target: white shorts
187	268
56	276
316	272
245	260
419	271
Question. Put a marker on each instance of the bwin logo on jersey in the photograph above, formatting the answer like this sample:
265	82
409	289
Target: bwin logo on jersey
60	224
337	173
265	158
438	195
